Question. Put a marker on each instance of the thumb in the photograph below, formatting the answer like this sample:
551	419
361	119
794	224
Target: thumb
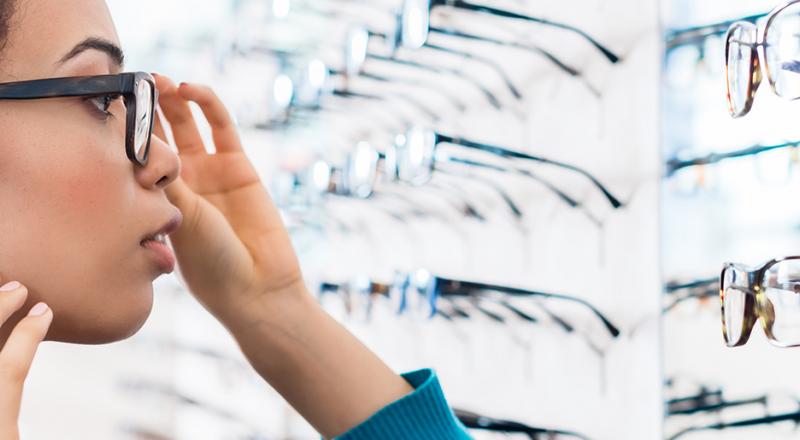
182	197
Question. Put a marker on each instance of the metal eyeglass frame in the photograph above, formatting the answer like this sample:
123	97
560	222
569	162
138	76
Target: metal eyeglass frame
755	307
757	54
125	84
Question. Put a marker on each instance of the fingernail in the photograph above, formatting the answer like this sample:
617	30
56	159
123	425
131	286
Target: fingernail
38	310
8	287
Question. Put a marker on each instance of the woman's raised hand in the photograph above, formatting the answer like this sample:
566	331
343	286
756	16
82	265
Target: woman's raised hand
236	257
17	354
232	247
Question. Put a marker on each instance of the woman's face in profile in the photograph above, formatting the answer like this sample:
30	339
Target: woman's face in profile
73	208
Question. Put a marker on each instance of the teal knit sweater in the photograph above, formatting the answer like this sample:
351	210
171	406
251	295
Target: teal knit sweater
422	415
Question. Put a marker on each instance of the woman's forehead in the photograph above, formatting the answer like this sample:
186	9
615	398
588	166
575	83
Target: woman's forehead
44	31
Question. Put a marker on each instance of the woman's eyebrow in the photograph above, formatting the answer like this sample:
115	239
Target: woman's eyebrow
108	47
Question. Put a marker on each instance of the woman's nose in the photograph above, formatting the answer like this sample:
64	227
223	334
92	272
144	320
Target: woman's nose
163	166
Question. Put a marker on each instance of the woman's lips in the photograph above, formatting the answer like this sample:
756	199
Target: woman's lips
161	254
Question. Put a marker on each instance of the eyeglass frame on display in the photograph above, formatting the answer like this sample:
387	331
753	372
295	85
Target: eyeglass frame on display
753	310
435	138
756	56
461	4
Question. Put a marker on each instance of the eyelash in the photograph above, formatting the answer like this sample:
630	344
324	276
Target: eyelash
104	102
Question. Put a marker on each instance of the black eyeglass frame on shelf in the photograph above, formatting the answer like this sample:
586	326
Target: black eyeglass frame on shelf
125	84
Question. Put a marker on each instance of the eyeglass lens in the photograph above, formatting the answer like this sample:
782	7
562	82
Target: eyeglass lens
781	302
741	41
144	115
734	302
782	52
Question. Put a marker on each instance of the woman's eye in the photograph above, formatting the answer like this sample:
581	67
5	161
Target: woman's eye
103	103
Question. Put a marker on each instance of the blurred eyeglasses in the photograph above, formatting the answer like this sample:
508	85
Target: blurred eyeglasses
695	34
425	289
356	52
394	39
772	164
777	414
416	22
480	422
419	145
302	190
773	44
555	61
770	293
701	289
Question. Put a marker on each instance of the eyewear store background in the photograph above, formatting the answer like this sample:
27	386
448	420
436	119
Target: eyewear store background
444	191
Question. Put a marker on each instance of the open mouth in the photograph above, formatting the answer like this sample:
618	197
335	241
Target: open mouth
156	243
158	238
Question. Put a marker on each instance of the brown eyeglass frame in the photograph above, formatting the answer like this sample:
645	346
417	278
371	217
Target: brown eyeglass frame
756	306
756	55
124	84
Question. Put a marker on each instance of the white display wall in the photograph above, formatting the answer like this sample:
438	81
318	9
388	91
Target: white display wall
182	376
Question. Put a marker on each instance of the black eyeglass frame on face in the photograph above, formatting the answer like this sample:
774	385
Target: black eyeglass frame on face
124	84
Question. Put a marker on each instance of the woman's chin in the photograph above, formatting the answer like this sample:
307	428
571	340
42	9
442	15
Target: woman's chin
112	325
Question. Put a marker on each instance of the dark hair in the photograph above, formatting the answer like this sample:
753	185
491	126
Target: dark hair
6	11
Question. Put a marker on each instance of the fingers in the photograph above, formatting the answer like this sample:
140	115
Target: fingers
158	126
224	131
17	354
179	115
183	198
11	300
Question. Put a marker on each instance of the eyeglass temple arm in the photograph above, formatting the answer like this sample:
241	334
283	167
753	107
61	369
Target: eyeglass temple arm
720	406
453	100
669	288
795	416
348	94
477	421
679	37
61	87
470	56
442	70
549	56
699	397
508	14
674	165
470	285
567	199
515	211
413	102
500	151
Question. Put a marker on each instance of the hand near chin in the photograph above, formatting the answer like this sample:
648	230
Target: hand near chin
232	247
16	355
